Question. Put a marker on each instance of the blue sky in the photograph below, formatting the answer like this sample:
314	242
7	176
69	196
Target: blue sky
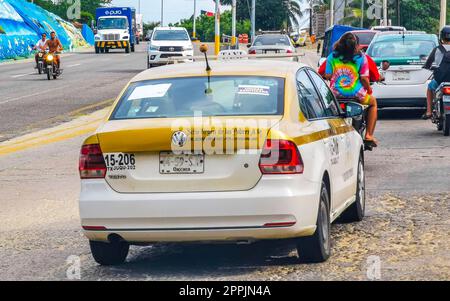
174	10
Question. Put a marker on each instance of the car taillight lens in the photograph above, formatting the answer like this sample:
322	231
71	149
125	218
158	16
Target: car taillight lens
289	51
252	52
446	90
92	164
280	157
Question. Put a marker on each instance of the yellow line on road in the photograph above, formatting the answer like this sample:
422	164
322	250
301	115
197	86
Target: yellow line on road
78	127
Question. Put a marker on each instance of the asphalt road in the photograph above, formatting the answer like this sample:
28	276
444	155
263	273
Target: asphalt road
405	236
28	101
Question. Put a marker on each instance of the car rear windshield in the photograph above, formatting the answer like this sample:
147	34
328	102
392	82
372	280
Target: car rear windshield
186	97
170	35
401	48
272	40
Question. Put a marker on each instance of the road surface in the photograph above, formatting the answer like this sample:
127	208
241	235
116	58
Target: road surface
405	236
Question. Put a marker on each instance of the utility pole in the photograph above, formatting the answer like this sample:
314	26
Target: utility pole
362	13
385	13
194	29
233	24
217	29
399	15
253	19
443	18
162	12
331	12
310	19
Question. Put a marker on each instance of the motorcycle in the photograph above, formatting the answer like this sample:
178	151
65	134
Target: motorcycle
50	66
441	109
40	63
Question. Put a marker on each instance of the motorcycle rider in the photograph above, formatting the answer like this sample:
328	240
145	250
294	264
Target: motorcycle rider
435	59
40	47
348	71
54	45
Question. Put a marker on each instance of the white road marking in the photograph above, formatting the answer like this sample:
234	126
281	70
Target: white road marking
34	94
21	75
74	65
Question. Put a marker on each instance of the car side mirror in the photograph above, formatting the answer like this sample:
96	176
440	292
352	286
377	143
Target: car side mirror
249	45
352	109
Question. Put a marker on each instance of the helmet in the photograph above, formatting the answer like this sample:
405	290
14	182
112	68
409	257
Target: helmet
445	33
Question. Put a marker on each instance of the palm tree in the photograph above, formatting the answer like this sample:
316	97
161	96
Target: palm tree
293	10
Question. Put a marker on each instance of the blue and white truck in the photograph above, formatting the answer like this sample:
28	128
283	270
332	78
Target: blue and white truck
116	29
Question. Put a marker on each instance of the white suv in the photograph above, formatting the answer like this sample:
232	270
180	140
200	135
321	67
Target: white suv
168	42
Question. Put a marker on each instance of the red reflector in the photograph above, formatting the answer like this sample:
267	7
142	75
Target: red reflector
446	90
280	157
289	51
94	228
275	225
92	164
252	52
343	106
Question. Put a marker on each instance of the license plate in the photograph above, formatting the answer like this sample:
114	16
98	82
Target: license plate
401	76
170	163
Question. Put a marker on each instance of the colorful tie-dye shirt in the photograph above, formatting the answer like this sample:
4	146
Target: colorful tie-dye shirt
346	77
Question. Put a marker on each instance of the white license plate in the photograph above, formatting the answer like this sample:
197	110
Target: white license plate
170	163
401	76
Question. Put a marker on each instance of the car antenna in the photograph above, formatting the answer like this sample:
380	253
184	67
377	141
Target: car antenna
204	50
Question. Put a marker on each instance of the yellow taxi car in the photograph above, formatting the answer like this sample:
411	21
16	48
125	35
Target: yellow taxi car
240	152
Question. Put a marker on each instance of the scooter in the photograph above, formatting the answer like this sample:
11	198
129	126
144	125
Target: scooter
50	66
441	109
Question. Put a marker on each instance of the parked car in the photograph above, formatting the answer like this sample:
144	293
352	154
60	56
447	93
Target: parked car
365	37
406	81
272	44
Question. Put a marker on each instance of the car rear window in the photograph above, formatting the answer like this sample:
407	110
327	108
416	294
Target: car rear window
365	38
272	40
188	97
401	48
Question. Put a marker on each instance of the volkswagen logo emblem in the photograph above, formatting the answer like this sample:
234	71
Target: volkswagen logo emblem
179	139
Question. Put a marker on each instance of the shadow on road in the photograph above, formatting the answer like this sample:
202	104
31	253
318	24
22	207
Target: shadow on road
401	113
182	260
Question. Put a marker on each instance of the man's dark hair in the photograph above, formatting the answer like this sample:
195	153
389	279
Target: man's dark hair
385	61
346	47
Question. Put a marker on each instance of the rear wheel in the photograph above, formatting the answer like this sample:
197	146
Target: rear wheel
317	248
356	212
109	253
446	125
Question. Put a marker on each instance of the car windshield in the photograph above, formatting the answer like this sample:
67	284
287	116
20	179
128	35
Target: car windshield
170	35
112	23
187	97
401	49
272	40
365	38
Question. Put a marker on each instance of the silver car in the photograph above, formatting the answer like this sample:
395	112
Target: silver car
272	44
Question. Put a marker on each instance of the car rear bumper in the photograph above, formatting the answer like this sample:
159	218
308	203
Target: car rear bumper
112	44
278	207
401	95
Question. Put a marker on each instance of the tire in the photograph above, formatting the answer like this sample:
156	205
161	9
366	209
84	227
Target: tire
97	50
40	68
446	125
317	248
109	253
49	68
356	212
106	50
102	50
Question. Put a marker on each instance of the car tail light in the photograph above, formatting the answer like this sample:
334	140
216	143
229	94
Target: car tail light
280	157
94	228
92	164
289	51
446	90
252	52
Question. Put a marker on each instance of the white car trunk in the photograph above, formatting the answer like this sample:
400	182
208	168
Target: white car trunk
157	169
407	75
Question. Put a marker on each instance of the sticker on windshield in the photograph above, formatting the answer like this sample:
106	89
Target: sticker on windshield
253	90
150	91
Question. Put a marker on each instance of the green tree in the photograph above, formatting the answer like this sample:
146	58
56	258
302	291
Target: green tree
270	14
205	26
60	8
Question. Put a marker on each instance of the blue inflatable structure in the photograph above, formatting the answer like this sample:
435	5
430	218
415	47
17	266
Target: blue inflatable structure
15	35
